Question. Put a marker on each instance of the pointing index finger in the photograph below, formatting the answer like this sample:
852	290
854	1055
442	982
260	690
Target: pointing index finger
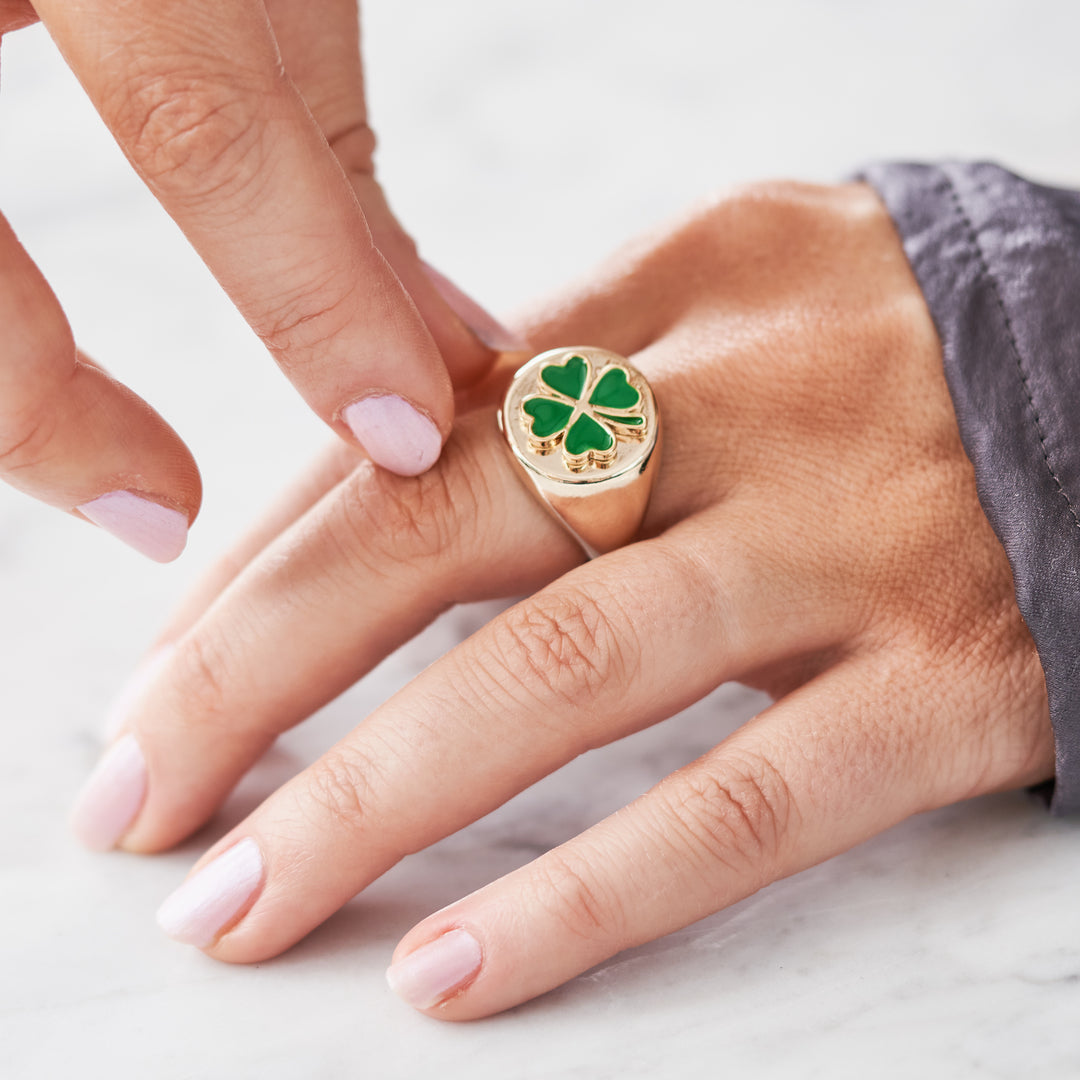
195	94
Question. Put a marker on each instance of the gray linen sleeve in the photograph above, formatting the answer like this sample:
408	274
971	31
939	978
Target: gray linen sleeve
998	260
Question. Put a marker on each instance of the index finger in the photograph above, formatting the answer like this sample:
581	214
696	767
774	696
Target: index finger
196	95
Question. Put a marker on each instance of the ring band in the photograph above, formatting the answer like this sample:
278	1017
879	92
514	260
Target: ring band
583	426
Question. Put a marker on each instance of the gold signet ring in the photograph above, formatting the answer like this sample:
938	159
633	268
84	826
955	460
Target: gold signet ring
583	426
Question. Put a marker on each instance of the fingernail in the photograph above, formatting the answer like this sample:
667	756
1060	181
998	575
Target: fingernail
207	902
153	530
123	704
431	973
484	325
395	435
110	799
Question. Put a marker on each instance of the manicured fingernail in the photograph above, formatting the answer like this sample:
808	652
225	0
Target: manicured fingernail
431	973
111	798
210	900
395	435
122	705
153	530
484	325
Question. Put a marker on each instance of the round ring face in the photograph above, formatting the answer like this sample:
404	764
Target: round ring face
580	416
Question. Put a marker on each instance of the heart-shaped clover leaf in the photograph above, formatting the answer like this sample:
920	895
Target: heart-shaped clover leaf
583	415
613	391
568	379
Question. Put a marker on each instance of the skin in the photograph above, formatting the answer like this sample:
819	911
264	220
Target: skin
814	531
248	122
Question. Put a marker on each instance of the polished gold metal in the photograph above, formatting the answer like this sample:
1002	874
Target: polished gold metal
596	479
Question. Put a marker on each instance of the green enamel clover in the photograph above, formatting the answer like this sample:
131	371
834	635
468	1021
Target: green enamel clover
586	415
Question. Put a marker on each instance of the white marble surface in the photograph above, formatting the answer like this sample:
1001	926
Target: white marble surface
520	141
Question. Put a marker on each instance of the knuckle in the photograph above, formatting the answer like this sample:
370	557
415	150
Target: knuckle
341	786
297	327
575	898
738	819
188	131
201	662
564	644
25	440
387	519
30	419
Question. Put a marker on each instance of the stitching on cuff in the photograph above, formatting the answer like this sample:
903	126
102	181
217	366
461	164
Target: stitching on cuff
985	271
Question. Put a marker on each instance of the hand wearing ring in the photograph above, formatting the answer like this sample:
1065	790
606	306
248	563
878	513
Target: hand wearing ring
813	529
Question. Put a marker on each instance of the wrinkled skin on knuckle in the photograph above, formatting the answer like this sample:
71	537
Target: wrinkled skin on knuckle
426	520
191	132
300	326
25	442
738	820
30	416
204	665
572	894
341	786
562	647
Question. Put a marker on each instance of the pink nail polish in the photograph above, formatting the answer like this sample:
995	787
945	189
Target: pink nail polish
431	973
153	530
122	705
395	434
484	325
111	797
210	900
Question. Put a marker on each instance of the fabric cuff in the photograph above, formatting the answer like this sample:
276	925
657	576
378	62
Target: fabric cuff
998	260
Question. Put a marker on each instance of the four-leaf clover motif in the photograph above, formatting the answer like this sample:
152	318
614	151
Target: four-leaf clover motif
584	414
